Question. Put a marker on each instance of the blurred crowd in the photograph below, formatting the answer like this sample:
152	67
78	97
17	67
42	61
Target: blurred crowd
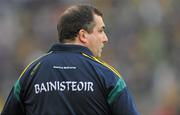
144	45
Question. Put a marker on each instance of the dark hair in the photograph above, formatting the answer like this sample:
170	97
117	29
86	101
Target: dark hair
76	18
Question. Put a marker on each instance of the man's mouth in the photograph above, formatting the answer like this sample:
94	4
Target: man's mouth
102	46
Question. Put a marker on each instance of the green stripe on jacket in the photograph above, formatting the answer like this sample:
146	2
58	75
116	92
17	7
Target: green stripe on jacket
120	85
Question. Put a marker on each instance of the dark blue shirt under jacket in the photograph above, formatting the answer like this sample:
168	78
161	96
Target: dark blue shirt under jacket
69	80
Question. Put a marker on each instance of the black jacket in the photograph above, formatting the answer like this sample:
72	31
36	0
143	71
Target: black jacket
69	81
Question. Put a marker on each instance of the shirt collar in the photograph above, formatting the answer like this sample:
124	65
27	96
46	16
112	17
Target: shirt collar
71	48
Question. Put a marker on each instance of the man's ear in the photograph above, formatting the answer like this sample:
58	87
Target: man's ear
83	36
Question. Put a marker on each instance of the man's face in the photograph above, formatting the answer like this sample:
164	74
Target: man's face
97	38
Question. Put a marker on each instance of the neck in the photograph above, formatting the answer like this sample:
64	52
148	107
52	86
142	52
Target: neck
74	42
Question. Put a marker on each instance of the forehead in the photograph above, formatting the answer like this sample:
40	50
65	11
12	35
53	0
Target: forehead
99	21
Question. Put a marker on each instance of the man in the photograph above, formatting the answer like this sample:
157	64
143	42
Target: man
70	79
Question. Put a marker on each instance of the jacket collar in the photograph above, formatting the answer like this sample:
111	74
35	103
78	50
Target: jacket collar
71	48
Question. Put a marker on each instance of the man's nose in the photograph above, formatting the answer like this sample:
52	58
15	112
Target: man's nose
105	39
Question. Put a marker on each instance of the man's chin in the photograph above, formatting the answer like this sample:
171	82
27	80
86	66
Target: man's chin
99	55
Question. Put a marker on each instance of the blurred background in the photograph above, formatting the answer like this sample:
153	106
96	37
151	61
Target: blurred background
144	45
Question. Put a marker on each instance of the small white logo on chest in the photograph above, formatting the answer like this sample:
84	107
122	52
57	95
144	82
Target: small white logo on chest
64	67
